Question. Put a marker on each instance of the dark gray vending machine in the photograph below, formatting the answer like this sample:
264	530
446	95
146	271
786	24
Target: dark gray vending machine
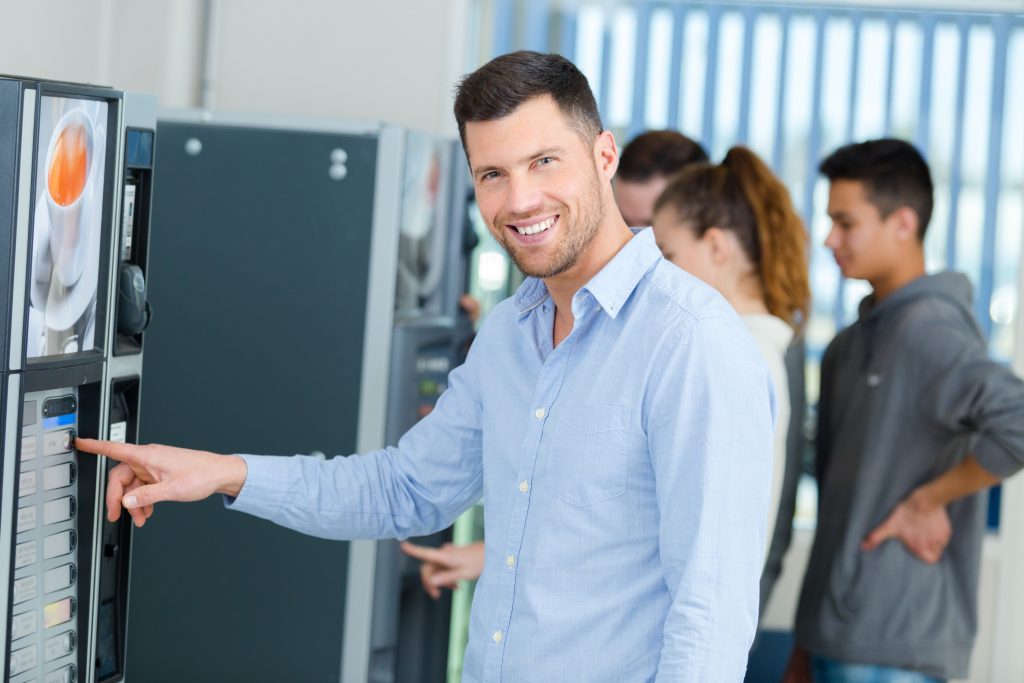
409	642
276	303
61	156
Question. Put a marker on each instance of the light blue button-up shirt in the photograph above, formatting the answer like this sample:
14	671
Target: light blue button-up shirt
625	477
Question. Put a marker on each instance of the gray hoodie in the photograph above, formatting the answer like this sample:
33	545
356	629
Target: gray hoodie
906	393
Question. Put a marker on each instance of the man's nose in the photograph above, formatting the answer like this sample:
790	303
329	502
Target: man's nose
832	239
524	196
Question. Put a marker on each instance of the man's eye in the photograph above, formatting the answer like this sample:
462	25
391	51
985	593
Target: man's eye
490	175
544	161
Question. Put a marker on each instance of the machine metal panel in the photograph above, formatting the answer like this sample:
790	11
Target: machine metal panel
373	397
259	266
10	118
20	247
11	385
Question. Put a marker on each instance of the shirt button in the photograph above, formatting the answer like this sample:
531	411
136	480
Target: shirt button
539	413
497	636
510	561
523	487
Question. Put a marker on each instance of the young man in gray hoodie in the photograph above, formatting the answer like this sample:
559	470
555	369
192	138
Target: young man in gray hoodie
915	423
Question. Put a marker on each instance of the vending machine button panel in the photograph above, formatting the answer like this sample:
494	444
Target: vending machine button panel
46	573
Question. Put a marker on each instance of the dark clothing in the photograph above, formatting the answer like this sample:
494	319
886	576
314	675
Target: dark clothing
907	392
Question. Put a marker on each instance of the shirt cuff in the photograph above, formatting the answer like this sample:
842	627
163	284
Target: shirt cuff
266	481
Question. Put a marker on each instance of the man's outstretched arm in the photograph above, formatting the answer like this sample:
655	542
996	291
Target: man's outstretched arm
412	489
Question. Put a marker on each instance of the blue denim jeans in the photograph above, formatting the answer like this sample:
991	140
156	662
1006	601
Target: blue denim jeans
831	671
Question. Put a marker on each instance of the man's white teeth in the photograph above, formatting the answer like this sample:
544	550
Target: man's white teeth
536	227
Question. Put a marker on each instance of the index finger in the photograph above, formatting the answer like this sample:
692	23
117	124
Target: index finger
122	452
422	552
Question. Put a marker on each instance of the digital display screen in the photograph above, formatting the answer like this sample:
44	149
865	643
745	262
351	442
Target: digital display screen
139	148
66	254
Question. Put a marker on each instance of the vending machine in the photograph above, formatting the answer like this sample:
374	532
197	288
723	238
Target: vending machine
62	166
305	283
430	336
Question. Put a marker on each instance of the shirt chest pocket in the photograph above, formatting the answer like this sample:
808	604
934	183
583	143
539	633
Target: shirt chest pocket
587	454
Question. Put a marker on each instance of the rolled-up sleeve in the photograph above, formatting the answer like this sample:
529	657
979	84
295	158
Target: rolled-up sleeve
415	488
967	392
710	429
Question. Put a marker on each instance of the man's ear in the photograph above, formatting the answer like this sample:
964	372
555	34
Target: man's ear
606	155
904	222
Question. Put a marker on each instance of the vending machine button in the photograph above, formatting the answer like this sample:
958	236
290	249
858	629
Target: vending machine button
59	544
59	578
59	646
65	675
59	476
56	443
57	613
60	510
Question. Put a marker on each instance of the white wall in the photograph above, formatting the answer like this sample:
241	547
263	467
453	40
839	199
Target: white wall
393	61
1007	653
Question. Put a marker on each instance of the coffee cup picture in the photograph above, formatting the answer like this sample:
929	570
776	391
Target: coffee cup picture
68	167
70	186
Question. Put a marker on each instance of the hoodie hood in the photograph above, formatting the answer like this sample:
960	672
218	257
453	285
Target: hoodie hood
952	287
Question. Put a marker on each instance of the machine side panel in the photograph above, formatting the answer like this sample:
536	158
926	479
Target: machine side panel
258	272
10	108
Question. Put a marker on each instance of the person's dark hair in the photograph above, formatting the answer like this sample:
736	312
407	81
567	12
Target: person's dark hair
742	195
501	85
657	153
893	172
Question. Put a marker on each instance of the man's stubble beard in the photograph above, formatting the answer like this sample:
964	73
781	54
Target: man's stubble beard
575	240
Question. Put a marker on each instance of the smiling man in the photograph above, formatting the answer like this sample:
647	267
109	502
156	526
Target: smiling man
614	414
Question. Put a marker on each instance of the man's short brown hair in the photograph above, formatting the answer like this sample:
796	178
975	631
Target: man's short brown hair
501	85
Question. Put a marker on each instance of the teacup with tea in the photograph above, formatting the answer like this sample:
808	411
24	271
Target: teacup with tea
68	174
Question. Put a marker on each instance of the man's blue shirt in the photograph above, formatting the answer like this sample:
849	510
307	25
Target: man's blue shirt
625	477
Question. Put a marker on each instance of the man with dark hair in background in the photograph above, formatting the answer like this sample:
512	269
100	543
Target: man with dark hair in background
914	423
614	414
646	165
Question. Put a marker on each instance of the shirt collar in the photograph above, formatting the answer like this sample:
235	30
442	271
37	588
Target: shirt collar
612	285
